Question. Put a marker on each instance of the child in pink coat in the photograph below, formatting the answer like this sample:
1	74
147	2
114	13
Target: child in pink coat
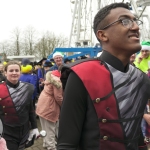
48	108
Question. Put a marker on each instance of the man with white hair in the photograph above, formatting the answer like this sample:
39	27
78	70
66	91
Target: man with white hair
58	59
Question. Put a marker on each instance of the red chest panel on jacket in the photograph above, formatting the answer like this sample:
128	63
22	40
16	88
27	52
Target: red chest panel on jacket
97	80
8	108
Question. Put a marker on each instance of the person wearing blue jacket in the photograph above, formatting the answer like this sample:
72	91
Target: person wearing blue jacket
28	76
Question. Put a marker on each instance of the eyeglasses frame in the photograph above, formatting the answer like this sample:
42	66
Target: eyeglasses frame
120	20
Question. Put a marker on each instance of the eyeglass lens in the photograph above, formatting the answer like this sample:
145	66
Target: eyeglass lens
58	58
129	23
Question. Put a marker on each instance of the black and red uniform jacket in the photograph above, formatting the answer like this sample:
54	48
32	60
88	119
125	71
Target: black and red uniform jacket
16	106
103	105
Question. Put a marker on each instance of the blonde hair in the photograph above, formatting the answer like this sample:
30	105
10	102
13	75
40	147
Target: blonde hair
51	80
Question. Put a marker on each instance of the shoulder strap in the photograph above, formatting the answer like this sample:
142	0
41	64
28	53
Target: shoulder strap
67	69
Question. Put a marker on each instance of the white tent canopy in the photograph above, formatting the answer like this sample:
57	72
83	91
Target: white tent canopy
19	58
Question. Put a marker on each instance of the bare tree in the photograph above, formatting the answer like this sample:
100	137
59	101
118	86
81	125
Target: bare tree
44	46
29	40
25	47
38	50
27	43
16	41
5	48
49	42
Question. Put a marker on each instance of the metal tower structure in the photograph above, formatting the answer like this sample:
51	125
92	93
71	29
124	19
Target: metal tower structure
82	17
83	12
144	14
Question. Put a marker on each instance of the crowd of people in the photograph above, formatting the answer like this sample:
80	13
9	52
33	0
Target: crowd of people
39	87
99	103
22	85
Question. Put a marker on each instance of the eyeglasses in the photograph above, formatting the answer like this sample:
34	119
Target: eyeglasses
58	58
128	23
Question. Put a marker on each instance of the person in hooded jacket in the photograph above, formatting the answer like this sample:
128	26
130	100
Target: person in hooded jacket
48	108
27	75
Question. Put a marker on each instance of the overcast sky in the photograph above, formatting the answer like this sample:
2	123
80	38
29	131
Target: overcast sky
43	15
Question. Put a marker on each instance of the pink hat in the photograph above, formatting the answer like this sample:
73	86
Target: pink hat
56	73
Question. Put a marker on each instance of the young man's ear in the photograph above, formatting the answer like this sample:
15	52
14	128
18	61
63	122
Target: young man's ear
101	35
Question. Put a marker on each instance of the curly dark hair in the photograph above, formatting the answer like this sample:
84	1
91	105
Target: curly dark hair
100	18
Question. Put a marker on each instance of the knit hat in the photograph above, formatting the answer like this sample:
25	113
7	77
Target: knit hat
56	73
25	61
67	60
58	54
47	64
145	45
25	67
42	60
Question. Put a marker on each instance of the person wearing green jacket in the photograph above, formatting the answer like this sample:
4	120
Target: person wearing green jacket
143	58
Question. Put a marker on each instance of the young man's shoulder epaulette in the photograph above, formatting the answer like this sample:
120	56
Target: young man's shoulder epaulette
66	69
68	66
